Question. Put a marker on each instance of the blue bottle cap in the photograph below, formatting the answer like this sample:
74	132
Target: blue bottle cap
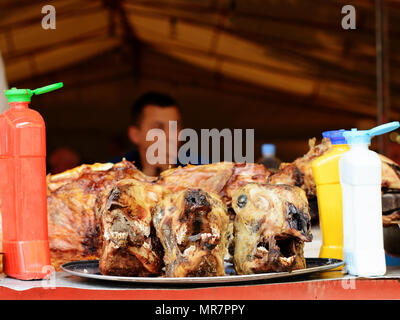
268	149
364	136
336	136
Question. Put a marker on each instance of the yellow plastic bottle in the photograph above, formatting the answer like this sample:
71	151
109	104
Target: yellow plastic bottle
329	195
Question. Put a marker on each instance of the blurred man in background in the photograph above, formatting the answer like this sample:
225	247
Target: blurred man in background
152	110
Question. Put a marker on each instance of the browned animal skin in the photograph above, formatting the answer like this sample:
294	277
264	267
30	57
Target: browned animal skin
390	174
271	224
243	174
391	219
129	244
73	198
192	226
210	178
221	178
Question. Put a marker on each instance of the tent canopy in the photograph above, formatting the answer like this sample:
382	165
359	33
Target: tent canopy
285	68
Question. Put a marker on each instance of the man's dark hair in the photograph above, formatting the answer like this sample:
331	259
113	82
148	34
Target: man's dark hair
150	98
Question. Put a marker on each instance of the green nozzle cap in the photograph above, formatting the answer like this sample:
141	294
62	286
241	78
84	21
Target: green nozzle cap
24	95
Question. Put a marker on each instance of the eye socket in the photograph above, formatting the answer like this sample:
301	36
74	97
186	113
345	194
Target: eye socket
297	220
242	201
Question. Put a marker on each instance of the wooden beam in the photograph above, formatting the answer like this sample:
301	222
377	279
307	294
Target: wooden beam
238	88
382	71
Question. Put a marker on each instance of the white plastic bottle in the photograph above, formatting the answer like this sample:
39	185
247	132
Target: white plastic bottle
360	172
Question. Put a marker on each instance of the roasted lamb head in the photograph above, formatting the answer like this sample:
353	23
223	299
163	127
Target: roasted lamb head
73	200
271	224
192	226
129	243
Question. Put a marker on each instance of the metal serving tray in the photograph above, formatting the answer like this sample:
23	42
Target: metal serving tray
90	269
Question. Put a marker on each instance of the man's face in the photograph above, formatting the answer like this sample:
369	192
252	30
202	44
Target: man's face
154	117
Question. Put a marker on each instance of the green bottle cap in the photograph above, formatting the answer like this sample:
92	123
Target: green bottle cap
24	95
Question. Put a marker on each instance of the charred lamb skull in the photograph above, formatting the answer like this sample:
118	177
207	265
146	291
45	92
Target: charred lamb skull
129	243
192	226
272	222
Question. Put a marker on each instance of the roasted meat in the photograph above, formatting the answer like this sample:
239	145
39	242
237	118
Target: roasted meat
75	196
391	219
210	177
244	173
390	174
221	178
272	222
299	172
192	226
73	199
129	243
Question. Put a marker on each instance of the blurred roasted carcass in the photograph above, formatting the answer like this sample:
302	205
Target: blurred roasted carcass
299	173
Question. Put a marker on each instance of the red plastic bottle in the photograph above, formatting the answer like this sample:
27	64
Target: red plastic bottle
23	191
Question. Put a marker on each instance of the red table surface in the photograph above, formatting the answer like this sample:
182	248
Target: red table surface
362	289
